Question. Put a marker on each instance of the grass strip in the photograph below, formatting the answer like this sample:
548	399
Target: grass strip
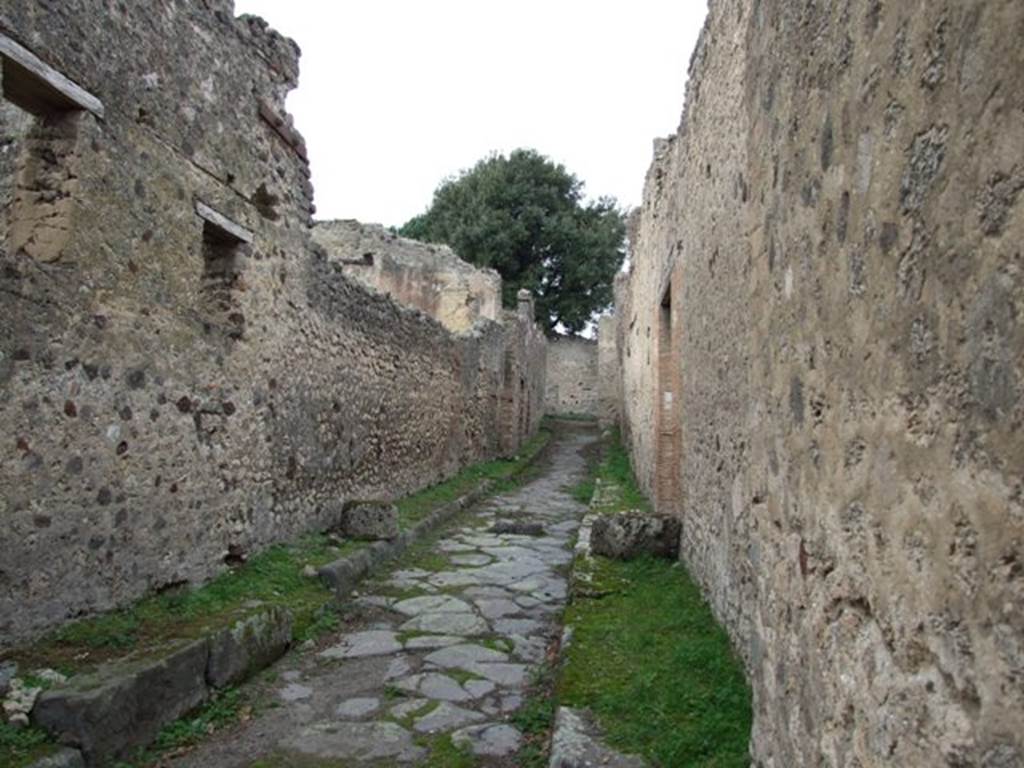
647	656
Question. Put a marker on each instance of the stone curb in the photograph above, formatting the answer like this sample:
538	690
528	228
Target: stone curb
122	706
342	575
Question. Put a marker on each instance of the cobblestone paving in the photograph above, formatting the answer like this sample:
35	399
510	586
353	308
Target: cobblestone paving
446	647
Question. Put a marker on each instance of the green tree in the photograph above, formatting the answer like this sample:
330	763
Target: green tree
524	216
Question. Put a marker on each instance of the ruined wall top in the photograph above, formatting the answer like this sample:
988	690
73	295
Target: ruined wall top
427	276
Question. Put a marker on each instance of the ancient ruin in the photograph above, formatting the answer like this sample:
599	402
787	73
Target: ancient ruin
186	376
816	358
822	356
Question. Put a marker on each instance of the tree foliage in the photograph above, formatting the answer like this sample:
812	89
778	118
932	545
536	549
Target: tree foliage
524	216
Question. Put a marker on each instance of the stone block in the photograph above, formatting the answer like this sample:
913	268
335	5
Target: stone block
370	520
107	715
248	646
577	743
626	535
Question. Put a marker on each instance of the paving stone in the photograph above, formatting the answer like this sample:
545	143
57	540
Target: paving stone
479	688
491	739
429	642
518	528
445	718
356	741
489	707
495	608
465	656
434	685
517	626
411	573
415	606
509	571
470	560
528	602
399	667
371	643
507	675
490	591
483	541
510	552
532	649
445	579
295	692
542	587
405	708
455	546
447	623
355	709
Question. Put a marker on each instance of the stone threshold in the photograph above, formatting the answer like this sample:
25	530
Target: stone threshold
106	715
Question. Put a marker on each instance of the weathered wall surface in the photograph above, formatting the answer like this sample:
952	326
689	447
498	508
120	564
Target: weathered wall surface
429	277
166	394
609	378
572	385
829	255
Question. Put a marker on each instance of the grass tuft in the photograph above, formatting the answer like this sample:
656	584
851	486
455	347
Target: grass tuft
271	578
21	747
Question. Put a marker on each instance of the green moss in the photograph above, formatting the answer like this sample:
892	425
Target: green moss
410	717
502	644
462	676
21	747
444	753
429	560
583	491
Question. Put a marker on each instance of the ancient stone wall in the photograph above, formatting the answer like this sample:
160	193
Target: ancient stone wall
429	277
609	376
182	374
823	356
572	384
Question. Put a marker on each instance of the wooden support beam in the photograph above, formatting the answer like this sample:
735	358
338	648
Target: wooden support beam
36	86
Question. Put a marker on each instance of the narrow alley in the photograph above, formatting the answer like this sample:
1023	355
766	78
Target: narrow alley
438	651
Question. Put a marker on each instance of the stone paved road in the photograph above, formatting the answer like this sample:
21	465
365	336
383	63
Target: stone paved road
445	647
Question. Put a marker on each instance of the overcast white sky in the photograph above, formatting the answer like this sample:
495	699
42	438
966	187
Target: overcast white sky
395	95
